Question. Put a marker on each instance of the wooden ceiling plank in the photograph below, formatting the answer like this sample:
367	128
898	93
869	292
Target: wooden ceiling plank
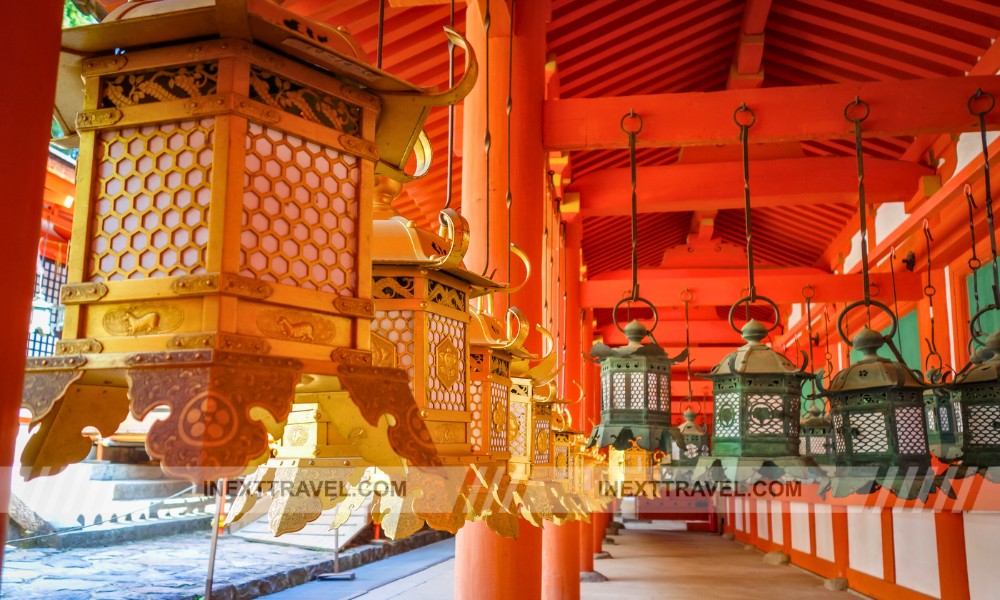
963	21
911	107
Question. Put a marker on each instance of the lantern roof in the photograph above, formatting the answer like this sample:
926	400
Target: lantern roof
635	332
984	364
397	240
487	330
755	357
137	25
689	427
871	371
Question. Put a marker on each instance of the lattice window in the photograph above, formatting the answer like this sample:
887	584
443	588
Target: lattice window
542	442
817	445
445	363
637	391
945	417
151	215
868	432
476	408
764	414
653	391
802	446
665	392
518	429
931	420
498	417
983	427
959	423
397	327
838	433
911	430
300	213
619	398
48	282
605	391
727	415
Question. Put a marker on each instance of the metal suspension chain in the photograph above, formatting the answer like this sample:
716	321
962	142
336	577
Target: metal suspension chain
828	356
687	297
862	205
809	293
487	140
449	183
381	31
745	126
510	106
635	211
929	292
974	262
895	297
980	94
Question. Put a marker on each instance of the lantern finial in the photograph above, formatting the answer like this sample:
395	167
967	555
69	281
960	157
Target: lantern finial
635	332
867	342
386	190
754	331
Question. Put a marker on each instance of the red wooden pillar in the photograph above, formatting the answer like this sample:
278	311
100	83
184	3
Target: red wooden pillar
30	35
486	565
953	568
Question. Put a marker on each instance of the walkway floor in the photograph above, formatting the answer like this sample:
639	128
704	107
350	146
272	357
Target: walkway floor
649	563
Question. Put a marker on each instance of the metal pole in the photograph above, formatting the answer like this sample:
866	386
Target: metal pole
336	552
220	498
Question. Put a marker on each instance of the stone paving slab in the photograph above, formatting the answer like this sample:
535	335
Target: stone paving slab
174	568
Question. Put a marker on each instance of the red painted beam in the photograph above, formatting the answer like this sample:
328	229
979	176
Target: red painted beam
780	182
898	108
725	286
746	71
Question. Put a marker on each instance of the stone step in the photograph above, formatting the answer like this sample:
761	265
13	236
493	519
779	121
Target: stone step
105	471
107	533
144	489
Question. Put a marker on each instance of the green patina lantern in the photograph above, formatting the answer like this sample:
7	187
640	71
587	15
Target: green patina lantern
816	435
692	440
976	394
943	437
877	407
635	393
757	395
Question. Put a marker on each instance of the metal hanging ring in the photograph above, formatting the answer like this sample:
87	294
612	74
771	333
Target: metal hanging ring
631	115
857	104
744	111
749	301
810	294
852	306
874	289
614	311
929	291
687	296
978	96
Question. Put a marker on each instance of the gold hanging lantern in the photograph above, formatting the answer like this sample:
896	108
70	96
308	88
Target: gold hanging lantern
221	251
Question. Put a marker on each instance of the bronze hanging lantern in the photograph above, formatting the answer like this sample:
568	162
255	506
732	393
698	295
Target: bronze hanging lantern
816	435
635	378
691	439
876	404
976	390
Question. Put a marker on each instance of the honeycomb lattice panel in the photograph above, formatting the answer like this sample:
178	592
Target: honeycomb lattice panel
498	417
300	213
605	392
150	216
439	394
518	429
869	433
397	327
911	430
653	391
637	391
959	424
931	420
476	407
561	462
983	427
619	397
764	414
945	417
802	446
665	392
727	415
838	433
817	445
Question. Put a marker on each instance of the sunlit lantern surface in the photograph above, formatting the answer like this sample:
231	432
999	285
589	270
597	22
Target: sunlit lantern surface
757	397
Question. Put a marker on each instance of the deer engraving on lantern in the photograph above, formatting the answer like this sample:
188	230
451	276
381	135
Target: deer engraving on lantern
221	259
